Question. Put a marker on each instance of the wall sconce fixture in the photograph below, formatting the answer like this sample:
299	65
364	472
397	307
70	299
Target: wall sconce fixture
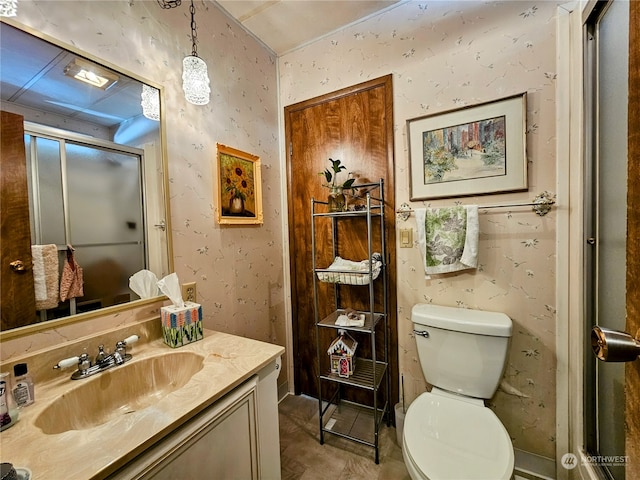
91	73
8	8
195	79
150	101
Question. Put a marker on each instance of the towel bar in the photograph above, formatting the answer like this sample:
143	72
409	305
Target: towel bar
541	205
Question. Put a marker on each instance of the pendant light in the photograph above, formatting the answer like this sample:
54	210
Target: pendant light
150	101
195	79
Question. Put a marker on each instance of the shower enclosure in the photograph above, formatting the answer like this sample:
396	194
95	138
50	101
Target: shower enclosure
87	193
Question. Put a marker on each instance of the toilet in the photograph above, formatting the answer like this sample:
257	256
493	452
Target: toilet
449	433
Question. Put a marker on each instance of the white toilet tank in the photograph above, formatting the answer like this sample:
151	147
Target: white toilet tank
463	351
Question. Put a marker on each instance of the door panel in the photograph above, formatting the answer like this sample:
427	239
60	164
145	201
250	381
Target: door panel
615	431
632	374
612	60
354	125
18	297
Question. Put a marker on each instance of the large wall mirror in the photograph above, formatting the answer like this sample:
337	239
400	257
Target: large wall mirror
84	183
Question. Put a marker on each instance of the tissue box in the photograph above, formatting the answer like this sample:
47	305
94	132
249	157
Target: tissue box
181	325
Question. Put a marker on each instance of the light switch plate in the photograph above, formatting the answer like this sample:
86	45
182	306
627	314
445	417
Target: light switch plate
406	237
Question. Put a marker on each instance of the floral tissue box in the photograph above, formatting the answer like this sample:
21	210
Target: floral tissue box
181	325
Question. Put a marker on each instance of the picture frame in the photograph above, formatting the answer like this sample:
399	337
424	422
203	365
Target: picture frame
474	150
239	187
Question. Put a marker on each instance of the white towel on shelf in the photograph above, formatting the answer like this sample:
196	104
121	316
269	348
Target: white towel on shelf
357	320
448	238
45	275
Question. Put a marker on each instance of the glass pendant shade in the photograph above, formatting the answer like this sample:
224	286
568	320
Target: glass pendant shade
8	8
150	102
195	80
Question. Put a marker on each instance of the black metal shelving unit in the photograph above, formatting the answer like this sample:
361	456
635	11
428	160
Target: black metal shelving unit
355	421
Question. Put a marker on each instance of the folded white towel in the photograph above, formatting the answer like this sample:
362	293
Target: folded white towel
45	275
345	321
347	271
448	238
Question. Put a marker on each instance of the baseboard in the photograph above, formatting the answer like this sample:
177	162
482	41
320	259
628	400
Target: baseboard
283	391
530	466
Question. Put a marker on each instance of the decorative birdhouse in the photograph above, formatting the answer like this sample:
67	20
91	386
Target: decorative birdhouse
342	353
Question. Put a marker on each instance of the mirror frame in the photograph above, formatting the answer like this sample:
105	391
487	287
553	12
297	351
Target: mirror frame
58	322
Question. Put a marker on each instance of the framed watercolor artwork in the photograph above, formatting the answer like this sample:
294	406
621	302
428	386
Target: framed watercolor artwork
473	150
239	187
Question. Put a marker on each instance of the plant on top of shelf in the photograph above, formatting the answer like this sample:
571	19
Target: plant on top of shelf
337	201
331	176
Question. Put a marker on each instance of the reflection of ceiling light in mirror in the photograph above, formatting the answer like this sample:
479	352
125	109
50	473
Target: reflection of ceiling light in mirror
8	8
90	73
195	80
150	102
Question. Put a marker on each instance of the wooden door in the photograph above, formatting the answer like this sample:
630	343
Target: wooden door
354	125
17	295
632	369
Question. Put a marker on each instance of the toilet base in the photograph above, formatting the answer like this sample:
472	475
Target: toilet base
449	437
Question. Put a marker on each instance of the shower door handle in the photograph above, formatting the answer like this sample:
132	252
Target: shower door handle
614	346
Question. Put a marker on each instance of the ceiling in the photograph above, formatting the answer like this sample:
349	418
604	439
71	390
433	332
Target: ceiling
31	68
32	76
283	25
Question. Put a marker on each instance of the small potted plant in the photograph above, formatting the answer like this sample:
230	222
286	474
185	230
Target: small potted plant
336	200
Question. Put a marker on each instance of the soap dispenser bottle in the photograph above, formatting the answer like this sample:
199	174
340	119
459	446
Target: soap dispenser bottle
8	410
23	391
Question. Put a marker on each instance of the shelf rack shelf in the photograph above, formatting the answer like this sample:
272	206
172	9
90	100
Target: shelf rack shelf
356	421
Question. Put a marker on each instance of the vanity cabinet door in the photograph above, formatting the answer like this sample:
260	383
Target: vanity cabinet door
220	443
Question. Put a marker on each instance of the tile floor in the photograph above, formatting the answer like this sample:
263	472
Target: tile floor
302	456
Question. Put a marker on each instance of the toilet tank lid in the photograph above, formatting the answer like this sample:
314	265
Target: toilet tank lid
462	320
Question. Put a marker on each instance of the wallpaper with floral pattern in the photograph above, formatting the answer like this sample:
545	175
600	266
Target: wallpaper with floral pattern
238	269
445	55
442	55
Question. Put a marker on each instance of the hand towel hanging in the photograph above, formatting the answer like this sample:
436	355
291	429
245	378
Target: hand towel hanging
448	238
72	282
45	275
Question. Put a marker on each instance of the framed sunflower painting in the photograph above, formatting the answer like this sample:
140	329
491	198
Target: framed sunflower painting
239	187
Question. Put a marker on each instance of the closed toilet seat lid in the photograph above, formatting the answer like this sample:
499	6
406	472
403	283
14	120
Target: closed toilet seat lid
453	439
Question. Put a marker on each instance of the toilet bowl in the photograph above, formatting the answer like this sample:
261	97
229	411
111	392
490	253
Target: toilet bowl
455	439
449	433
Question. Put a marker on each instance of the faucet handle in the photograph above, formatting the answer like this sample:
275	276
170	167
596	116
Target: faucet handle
130	340
67	362
121	354
82	362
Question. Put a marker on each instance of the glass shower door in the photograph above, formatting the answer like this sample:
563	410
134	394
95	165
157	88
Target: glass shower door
607	38
90	197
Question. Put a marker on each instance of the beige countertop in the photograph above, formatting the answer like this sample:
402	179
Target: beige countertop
94	453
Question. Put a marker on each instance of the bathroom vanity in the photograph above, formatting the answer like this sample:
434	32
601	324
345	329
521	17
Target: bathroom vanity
205	410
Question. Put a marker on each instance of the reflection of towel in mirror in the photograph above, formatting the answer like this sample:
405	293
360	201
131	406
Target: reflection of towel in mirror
448	238
71	282
45	275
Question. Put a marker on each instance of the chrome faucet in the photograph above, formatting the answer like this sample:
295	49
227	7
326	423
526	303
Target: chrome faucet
102	361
